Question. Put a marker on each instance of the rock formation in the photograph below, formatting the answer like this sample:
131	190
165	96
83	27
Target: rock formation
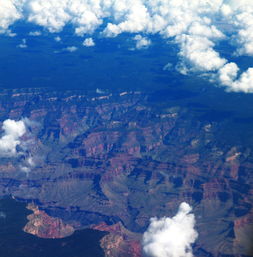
119	159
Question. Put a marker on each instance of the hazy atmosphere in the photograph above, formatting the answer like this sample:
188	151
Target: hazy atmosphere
126	128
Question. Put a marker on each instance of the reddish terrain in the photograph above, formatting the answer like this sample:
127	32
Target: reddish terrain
112	162
44	226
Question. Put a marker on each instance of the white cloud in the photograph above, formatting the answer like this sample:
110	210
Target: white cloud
50	14
171	237
100	91
9	13
35	33
12	132
57	39
244	83
10	33
196	26
27	164
141	42
88	42
168	66
23	44
228	76
13	137
240	15
228	73
71	49
198	53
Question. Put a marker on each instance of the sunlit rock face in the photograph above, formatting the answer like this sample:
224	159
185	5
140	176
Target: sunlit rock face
42	225
113	161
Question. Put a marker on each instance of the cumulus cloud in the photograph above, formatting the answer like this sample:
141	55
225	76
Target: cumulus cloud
88	42
171	237
196	26
228	76
199	55
12	132
9	13
244	83
142	42
18	140
228	73
240	15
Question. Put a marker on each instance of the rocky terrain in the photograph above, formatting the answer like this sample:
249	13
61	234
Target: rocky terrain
44	226
111	162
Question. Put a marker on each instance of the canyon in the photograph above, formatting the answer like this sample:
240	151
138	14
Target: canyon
112	161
